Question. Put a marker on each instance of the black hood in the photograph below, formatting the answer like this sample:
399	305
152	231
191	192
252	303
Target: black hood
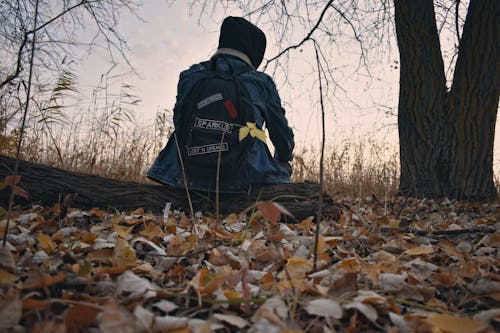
239	34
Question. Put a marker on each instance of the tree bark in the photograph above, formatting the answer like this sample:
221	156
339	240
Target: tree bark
474	103
49	186
446	138
422	98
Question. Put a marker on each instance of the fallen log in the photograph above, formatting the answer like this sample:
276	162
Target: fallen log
48	185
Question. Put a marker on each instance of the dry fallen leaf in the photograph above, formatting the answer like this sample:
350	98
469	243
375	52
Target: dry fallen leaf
235	321
46	243
114	319
7	278
79	317
38	279
132	286
123	254
296	268
11	309
453	324
367	310
419	250
324	308
170	323
68	275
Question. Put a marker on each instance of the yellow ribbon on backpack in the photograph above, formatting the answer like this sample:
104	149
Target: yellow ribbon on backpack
251	128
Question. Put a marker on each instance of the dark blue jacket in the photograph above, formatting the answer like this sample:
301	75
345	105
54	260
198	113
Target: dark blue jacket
260	167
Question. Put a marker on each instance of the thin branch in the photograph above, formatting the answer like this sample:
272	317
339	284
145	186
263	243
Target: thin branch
18	64
321	161
185	178
363	55
23	125
25	40
64	12
306	38
457	17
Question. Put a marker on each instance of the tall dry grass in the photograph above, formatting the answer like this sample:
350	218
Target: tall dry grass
352	168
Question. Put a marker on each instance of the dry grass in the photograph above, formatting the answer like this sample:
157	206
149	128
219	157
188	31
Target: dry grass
352	168
125	156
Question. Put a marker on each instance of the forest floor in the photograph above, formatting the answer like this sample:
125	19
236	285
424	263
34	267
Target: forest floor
404	265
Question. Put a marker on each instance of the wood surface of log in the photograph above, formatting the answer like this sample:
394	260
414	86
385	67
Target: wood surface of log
47	186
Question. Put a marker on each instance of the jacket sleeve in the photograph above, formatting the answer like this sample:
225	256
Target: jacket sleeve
280	133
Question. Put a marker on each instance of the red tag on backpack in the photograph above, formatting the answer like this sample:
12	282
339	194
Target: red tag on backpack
231	110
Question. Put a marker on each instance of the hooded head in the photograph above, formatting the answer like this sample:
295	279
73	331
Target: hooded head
239	34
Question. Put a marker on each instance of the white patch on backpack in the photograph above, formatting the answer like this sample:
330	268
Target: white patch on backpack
209	100
213	148
216	125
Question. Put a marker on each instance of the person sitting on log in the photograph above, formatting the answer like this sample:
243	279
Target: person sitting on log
221	108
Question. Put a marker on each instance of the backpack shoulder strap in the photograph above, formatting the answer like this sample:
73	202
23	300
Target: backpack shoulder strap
212	66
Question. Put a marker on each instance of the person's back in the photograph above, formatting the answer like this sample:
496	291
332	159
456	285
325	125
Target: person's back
241	49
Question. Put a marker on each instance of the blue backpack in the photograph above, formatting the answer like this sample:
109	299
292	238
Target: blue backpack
210	117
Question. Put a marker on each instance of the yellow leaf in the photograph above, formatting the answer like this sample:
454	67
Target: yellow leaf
243	133
259	134
455	324
46	243
297	268
350	265
123	254
123	232
254	132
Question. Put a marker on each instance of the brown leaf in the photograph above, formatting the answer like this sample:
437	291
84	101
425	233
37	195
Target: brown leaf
449	323
349	265
123	254
46	243
123	232
151	231
37	280
79	317
10	309
101	255
20	192
297	268
271	211
33	303
210	281
11	181
419	250
267	281
7	278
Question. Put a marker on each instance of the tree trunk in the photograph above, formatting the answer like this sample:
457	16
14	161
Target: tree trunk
422	98
48	186
474	103
446	139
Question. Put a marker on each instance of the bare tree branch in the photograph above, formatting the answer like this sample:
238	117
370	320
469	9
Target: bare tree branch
306	38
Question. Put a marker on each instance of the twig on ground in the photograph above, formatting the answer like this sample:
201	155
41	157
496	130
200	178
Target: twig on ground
185	179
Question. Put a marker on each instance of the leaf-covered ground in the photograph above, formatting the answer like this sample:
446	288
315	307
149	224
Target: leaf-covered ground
400	266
